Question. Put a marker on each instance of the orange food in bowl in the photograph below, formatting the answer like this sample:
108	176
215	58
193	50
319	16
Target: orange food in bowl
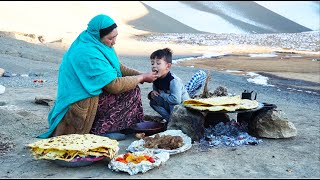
129	157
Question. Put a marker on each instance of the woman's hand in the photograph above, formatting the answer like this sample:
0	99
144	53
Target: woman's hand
147	77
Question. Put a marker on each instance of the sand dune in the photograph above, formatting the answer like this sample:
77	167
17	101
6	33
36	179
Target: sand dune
254	18
226	17
155	21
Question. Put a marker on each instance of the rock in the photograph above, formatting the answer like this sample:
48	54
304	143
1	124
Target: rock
33	74
9	74
2	103
44	100
24	75
272	124
41	39
189	122
2	89
220	91
1	72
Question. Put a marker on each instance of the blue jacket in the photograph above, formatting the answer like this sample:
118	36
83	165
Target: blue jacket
171	89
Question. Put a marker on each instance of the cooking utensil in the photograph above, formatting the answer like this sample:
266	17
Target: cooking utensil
149	127
249	95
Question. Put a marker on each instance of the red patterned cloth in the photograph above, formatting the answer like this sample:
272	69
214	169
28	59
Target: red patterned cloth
118	112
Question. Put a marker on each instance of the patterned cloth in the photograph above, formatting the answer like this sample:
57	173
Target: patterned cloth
118	112
196	82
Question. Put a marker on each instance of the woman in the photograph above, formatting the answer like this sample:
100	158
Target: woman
96	93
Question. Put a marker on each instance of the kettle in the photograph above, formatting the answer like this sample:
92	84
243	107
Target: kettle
249	95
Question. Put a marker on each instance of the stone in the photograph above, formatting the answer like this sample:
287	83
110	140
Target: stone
9	74
1	72
188	121
2	89
220	91
272	123
44	100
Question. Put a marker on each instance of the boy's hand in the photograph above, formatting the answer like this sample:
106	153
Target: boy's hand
154	94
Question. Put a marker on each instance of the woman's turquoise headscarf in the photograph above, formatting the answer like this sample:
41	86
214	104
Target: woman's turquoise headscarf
86	68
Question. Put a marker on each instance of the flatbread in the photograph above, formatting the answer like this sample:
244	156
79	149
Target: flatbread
214	101
214	108
224	103
248	104
66	147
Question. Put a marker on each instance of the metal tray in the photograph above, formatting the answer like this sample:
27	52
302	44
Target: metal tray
138	144
77	162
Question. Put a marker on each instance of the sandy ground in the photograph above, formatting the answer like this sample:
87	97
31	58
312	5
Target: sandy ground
21	119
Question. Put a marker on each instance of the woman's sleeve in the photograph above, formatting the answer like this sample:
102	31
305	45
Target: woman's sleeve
121	84
126	71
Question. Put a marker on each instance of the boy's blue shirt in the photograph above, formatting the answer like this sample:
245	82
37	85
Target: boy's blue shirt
171	89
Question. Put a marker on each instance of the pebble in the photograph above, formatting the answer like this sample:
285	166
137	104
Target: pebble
2	89
28	80
2	72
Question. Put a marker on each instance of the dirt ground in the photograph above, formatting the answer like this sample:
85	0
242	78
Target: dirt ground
22	119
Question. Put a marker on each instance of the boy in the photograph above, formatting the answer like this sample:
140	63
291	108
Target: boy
168	89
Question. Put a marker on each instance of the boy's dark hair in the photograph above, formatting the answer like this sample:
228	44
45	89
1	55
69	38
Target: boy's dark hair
160	53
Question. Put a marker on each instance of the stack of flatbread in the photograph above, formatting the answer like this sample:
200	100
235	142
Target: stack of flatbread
221	103
67	147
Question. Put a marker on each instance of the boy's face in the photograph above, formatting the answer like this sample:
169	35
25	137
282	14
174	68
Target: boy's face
160	66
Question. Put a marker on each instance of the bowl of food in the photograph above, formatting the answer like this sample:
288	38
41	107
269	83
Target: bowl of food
149	127
78	161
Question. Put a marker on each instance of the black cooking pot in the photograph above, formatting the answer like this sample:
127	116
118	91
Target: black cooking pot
149	127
